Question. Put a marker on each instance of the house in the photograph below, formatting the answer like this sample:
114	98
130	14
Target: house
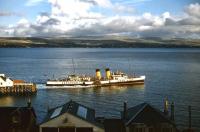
114	125
5	81
146	118
70	117
17	119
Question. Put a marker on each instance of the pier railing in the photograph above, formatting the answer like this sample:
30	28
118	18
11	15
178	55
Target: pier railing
24	84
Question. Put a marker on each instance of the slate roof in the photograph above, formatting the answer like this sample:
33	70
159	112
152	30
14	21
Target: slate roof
72	107
3	78
145	113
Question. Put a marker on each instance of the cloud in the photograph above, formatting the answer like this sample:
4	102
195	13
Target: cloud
193	10
190	21
6	31
103	3
6	13
44	14
192	17
119	8
33	2
65	20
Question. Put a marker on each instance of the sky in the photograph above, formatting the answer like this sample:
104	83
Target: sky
75	18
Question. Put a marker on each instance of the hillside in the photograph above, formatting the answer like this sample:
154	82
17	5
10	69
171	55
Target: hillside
114	42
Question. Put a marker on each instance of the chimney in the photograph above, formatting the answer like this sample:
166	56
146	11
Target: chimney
125	110
172	111
29	103
166	105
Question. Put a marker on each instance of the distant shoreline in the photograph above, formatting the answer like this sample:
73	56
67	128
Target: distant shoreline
16	42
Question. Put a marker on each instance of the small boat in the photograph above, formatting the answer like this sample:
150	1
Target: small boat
83	81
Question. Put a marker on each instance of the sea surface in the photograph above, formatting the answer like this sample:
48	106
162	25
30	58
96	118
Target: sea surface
170	73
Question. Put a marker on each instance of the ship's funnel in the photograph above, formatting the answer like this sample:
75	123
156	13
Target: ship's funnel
108	73
98	74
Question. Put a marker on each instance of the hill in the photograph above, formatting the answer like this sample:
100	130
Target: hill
102	42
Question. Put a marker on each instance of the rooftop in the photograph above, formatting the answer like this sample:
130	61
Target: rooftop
73	108
3	78
24	115
145	113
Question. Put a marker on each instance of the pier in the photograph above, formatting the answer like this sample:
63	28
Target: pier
9	86
20	88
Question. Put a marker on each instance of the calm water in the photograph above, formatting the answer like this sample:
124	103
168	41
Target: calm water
172	73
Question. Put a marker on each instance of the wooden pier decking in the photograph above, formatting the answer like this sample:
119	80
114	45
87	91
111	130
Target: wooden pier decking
19	88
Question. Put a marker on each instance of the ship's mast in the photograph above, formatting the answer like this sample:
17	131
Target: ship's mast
129	67
73	66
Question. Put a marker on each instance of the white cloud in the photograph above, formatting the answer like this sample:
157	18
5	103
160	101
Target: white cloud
42	19
118	8
77	18
104	3
193	10
166	15
143	28
76	13
72	7
33	2
23	21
